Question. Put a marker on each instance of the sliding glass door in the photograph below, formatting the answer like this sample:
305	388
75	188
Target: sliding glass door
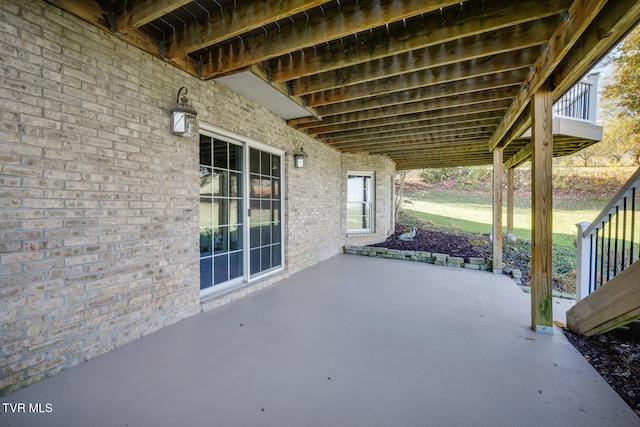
226	230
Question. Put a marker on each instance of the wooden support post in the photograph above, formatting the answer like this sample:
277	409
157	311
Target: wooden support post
541	205
497	209
403	175
510	192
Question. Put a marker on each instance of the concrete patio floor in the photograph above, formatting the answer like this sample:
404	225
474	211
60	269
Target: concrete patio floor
352	341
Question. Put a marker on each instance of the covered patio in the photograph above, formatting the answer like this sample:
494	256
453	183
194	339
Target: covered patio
349	341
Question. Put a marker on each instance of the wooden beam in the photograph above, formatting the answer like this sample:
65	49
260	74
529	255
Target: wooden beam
497	210
506	80
232	20
510	195
580	15
462	147
526	36
451	115
542	205
418	138
289	39
417	128
615	20
382	110
447	162
520	157
448	24
91	11
457	73
133	14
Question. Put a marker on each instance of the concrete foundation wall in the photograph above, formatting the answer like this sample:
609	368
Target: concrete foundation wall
99	239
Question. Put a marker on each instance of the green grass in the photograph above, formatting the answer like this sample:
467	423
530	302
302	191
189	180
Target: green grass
472	211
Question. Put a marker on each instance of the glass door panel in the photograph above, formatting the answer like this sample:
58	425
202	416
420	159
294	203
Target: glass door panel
265	216
221	216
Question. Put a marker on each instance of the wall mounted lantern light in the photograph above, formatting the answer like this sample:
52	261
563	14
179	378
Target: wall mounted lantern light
298	158
183	116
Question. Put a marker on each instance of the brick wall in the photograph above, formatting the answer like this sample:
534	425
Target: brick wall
99	203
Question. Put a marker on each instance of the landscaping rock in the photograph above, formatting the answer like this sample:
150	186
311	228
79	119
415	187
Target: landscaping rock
440	257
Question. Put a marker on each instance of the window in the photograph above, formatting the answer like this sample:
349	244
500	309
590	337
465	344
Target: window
360	196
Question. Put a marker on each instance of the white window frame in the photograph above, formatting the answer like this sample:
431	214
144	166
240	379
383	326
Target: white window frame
247	143
371	202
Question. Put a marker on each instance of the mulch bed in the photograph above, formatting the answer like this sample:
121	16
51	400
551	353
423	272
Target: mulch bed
465	245
617	359
433	241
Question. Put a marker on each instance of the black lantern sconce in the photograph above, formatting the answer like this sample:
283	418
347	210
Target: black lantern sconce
183	116
298	158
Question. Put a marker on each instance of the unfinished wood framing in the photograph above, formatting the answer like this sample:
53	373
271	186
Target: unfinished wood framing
497	209
360	67
541	205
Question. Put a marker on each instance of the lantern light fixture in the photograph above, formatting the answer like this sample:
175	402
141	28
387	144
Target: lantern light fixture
183	116
298	158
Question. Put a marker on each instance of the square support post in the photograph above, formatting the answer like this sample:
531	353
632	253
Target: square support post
541	216
497	210
510	195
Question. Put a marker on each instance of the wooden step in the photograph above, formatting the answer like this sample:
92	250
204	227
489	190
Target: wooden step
611	306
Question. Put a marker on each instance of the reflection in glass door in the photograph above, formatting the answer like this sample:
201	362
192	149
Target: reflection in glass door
221	214
265	229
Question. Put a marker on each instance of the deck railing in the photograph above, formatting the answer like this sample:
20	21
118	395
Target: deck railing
579	102
611	242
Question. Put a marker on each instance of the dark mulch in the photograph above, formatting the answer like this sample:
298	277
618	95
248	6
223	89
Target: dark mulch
433	241
465	245
617	359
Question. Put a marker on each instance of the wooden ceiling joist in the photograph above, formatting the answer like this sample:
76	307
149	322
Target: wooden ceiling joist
416	138
401	130
426	93
402	78
443	115
133	14
232	20
297	35
513	62
525	36
471	100
464	21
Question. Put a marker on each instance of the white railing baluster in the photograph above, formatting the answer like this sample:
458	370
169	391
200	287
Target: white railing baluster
583	262
591	234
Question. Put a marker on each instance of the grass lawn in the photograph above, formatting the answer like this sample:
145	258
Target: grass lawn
471	211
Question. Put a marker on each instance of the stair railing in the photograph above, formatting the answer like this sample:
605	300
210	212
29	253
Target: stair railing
611	242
